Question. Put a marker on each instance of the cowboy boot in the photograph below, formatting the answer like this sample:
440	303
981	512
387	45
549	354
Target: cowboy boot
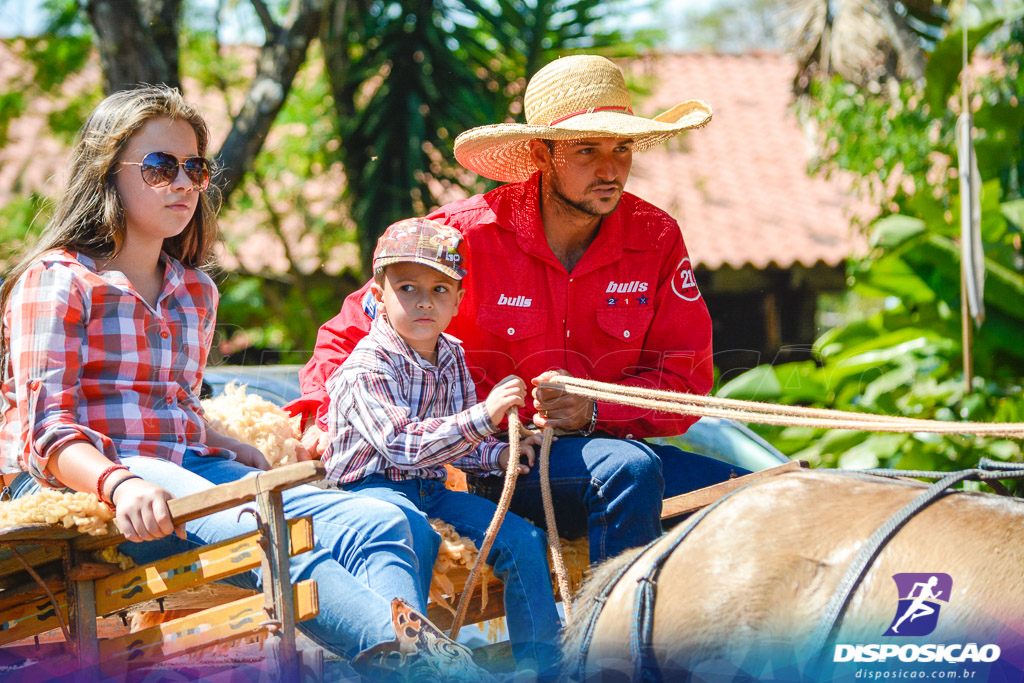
421	653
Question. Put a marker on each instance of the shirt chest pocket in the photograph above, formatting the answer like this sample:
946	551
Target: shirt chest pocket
627	325
512	324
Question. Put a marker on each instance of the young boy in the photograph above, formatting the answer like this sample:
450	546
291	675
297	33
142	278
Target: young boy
403	405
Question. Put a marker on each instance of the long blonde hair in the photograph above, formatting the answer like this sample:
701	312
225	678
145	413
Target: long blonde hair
89	215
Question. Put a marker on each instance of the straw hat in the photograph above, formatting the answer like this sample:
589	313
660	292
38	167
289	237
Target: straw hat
582	96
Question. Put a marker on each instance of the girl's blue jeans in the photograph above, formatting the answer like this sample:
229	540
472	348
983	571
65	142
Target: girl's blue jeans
518	556
365	552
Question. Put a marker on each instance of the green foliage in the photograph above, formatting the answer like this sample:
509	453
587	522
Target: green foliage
334	169
17	217
906	359
420	73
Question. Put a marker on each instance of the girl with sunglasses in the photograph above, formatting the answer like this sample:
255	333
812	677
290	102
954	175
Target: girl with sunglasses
107	324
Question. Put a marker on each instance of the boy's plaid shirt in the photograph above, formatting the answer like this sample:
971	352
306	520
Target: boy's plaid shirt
90	360
393	413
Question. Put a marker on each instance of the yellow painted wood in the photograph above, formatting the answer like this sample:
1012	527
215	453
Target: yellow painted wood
204	629
31	619
196	567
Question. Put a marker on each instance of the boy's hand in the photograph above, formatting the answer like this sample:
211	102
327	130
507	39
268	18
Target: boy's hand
526	447
314	441
505	395
525	450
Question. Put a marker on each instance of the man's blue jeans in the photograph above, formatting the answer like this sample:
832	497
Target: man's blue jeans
363	557
609	489
518	556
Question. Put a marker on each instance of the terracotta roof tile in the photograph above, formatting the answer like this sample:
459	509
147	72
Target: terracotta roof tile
739	187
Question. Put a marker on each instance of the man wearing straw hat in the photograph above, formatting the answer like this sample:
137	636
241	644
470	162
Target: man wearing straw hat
569	274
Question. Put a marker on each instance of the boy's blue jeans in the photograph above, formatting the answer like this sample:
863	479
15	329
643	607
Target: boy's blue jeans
518	556
364	554
609	489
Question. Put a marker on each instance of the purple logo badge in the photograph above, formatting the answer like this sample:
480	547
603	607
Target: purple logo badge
918	610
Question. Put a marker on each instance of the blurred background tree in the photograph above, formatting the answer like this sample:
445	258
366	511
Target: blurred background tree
891	124
341	119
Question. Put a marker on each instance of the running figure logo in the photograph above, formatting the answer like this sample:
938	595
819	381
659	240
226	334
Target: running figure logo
918	611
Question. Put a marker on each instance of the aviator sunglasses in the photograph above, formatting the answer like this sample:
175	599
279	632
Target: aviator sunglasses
159	169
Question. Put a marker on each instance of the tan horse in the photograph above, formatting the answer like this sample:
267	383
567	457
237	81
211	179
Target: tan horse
746	589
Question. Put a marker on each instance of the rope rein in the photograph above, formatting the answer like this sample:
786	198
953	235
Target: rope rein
766	413
554	543
515	430
511	474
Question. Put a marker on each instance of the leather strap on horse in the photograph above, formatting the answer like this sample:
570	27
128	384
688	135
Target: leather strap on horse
767	413
833	613
644	661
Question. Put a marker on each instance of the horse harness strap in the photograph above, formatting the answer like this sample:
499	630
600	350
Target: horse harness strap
833	613
644	661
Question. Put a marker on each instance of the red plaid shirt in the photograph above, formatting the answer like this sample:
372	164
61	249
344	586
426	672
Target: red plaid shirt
393	413
90	360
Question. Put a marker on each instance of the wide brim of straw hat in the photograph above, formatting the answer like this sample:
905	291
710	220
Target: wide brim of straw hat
502	151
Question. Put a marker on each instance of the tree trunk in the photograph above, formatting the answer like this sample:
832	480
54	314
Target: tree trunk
279	60
137	42
334	40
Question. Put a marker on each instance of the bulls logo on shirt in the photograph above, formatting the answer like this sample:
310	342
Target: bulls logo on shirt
684	284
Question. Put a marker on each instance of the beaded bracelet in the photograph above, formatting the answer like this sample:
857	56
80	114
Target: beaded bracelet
103	479
121	481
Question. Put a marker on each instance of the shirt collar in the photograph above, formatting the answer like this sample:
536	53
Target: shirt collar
522	214
174	271
384	334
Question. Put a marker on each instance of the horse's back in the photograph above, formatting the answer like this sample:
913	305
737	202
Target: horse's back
758	571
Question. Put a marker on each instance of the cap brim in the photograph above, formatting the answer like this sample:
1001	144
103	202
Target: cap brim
501	151
446	270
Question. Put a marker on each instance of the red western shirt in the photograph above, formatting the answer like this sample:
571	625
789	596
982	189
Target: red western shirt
630	311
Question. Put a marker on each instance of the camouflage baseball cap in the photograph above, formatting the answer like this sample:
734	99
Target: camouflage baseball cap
419	240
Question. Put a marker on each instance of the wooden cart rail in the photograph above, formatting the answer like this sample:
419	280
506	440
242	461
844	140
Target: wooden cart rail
48	579
204	596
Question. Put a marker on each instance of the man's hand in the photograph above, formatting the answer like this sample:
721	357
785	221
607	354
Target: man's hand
315	441
557	409
505	395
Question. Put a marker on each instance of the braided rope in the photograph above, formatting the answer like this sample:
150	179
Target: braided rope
511	473
766	413
554	543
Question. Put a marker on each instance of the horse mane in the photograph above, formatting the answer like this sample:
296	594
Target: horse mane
587	607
